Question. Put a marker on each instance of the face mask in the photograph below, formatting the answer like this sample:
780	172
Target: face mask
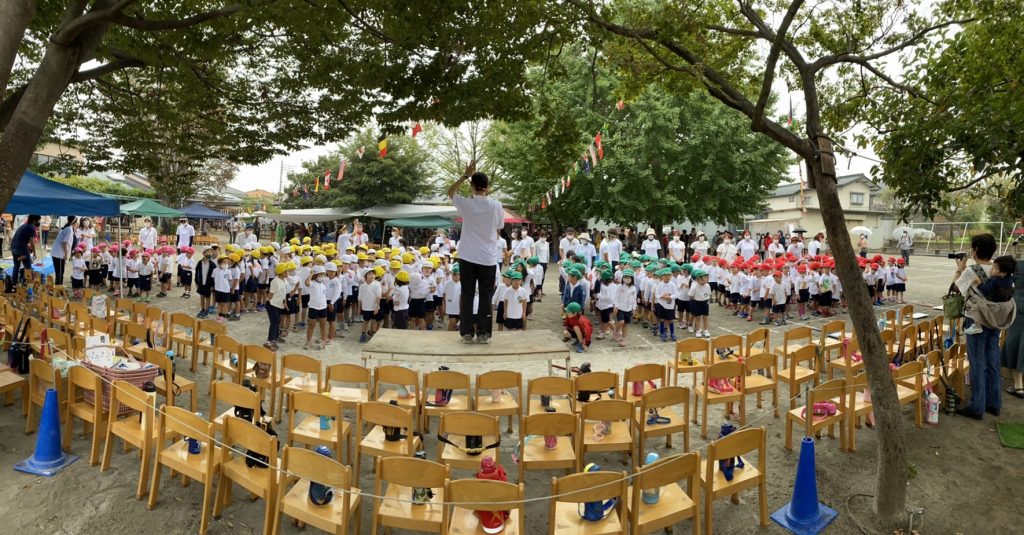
675	238
148	224
320	278
727	240
224	265
746	236
775	241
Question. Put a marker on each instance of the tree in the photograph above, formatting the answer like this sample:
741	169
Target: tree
401	177
276	73
98	185
667	157
714	46
452	148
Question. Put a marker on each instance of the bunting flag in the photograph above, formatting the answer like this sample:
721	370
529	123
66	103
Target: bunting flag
416	129
316	188
360	151
568	180
789	122
600	147
382	147
586	164
544	203
547	197
593	154
619	105
327	180
341	170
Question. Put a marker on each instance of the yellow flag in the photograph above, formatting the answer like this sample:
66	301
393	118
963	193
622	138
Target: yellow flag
316	189
383	147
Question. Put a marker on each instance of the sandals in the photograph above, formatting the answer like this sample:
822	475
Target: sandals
598	432
1015	392
653	418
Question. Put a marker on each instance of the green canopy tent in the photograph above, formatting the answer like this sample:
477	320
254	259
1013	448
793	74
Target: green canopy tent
419	222
148	207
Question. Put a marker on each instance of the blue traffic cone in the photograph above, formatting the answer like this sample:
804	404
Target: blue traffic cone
805	514
48	458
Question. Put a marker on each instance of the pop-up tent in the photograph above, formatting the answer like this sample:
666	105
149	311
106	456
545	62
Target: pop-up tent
198	211
148	207
511	218
38	195
419	222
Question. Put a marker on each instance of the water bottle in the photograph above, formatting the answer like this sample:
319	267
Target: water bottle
933	408
325	423
320	494
651	496
29	298
194	446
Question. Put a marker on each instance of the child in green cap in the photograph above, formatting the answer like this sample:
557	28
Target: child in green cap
577	327
625	304
700	293
515	299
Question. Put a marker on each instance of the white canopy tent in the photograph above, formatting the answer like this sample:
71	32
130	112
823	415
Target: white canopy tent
310	215
381	211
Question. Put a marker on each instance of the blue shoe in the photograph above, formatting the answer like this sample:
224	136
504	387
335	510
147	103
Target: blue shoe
664	338
363	337
300	324
579	348
211	310
673	338
430	327
202	314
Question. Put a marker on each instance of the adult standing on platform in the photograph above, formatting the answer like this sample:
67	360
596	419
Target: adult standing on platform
185	233
482	218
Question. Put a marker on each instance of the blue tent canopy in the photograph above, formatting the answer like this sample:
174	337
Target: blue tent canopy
38	195
198	211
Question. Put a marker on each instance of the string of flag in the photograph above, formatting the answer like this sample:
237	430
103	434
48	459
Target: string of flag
330	176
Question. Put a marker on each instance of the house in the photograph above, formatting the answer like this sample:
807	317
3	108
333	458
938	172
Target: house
791	206
260	194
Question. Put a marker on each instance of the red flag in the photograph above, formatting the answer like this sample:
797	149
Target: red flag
600	147
416	129
360	151
544	204
382	146
327	179
619	105
341	170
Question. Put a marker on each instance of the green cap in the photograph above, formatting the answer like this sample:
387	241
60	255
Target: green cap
663	272
634	263
698	273
573	308
533	260
606	275
507	274
515	275
687	266
645	258
575	273
455	269
674	268
628	273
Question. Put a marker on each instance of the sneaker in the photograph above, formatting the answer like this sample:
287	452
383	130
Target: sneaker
664	338
202	314
689	329
673	337
707	334
363	337
301	324
974	329
430	327
234	317
483	339
467	339
578	347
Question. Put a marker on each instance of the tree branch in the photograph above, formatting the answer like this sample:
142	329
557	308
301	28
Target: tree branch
734	31
773	59
889	80
107	68
766	32
139	23
846	57
69	31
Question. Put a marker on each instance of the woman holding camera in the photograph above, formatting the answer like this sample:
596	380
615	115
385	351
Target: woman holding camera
982	347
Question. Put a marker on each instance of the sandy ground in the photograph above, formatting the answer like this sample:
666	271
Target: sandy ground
962	477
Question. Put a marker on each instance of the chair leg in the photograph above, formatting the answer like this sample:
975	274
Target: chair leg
762	498
140	490
94	452
29	418
223	495
107	451
270	512
704	419
709	511
789	433
154	487
204	515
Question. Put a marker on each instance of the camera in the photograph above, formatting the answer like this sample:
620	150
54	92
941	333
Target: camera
956	256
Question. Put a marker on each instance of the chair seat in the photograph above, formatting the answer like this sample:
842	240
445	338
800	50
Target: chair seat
859	405
741	478
568	520
635	399
194	466
10	381
561	405
757	383
398	512
300	383
536	454
905	394
671	507
676	423
409	402
619	439
374	442
251	479
507	404
79	409
296	504
308	432
131	431
349	396
840	363
465	522
797	414
459	459
135	350
184	384
459	402
701	391
801	374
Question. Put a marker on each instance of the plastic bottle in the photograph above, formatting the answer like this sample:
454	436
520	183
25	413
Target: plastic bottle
651	496
320	494
933	408
194	446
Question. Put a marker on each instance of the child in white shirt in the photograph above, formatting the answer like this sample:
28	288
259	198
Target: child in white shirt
700	293
77	273
606	303
625	304
144	282
664	297
515	298
317	306
185	266
452	296
369	303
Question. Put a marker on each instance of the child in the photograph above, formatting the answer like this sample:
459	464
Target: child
292	301
606	303
429	302
777	291
145	281
163	270
498	301
333	284
900	286
185	267
266	275
452	295
222	287
665	304
890	280
369	303
997	288
303	273
204	281
700	293
316	306
400	298
419	289
77	273
117	270
131	268
825	288
253	272
276	304
577	327
514	299
682	282
625	304
95	272
802	293
574	291
755	292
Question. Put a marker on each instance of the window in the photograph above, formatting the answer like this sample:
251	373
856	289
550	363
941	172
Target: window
856	198
792	198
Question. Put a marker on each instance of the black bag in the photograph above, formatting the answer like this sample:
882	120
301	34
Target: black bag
20	350
256	460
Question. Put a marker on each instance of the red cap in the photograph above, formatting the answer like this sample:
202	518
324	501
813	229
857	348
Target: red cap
874	265
815	265
706	259
900	261
801	268
776	273
695	257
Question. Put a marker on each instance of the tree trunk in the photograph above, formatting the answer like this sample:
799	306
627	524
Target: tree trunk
15	16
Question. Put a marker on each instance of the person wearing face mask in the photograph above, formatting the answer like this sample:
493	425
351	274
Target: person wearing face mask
185	232
747	247
222	287
85	233
701	245
147	235
727	249
204	281
651	246
316	311
395	241
523	246
775	248
611	248
677	248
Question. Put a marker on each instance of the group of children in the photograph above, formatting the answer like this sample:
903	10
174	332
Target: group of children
125	270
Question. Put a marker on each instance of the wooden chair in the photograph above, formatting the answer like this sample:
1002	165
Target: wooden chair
10	383
228	356
235	395
506	403
831	341
725	370
600	384
858	404
813	424
924	336
136	337
57	316
402	474
179	384
156	321
57	341
42	377
261	356
97	325
262	482
80	381
307	430
909	386
466	496
300	467
137	430
455	427
674	504
127	312
713	480
79	319
534	455
380	415
691	356
931	364
906	316
727	344
576	489
672	402
846	363
761	374
796	374
406	383
207	332
443	380
184	335
640	379
309	371
176	422
558	389
889	339
958	367
908	344
360	379
794	340
616	413
758	342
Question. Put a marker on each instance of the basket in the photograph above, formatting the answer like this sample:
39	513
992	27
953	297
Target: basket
109	375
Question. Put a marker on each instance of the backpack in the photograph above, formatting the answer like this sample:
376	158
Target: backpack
987	313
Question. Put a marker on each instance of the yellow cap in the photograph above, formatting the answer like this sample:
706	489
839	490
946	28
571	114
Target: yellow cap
307	239
395	264
234	258
380	254
435	260
402	276
222	257
306	260
362	256
407	258
378	271
350	249
281	268
255	254
424	250
294	241
386	250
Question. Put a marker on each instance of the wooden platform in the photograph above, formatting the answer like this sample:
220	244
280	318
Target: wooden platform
443	347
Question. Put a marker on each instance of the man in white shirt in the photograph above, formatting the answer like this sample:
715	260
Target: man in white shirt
611	248
482	218
185	232
568	243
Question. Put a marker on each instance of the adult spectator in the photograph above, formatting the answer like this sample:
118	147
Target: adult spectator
522	244
611	248
701	246
44	229
775	248
5	234
543	255
186	233
482	218
61	251
358	236
256	228
568	243
1012	356
246	237
396	236
233	227
148	234
905	243
651	246
796	246
814	247
747	247
726	250
444	245
84	233
862	246
586	250
23	247
982	347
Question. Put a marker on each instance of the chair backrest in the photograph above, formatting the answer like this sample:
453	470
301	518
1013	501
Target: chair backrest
738	443
589	487
724	370
850	347
466	423
313	466
181	319
665	396
131	396
42	376
100	325
616	410
485	495
315	404
796	334
238	432
643	372
908	337
596	381
666	471
385	414
123	305
154	314
548	423
889	339
303	364
804	354
692	347
82	379
410	472
933	362
728	341
396	375
260	354
79	313
890	319
833	327
58	339
233	394
135	333
909	374
226	345
446	379
211	327
139	311
348	373
857	383
758	337
836	388
763	361
185	423
549	386
906	313
499	379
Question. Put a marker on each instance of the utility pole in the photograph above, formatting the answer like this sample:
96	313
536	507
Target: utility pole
280	179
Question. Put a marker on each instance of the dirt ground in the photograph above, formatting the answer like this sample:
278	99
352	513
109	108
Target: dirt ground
963	479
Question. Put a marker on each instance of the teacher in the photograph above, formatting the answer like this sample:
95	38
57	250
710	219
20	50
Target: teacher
482	218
